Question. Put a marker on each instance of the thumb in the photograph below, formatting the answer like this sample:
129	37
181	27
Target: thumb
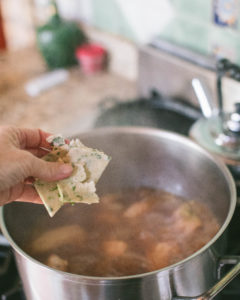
49	171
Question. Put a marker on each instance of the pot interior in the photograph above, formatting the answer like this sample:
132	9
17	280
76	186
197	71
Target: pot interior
140	157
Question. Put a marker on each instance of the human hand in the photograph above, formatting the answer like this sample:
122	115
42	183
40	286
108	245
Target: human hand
20	150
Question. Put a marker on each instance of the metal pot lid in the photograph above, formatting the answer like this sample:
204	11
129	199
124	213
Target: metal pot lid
214	135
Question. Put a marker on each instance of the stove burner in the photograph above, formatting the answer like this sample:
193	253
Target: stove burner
10	284
156	111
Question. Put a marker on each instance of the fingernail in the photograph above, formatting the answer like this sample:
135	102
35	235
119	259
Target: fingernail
66	169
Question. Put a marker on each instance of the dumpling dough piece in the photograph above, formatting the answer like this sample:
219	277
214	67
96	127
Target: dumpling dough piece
94	160
48	191
88	164
78	192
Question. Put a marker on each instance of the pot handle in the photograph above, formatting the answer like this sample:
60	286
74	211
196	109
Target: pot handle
222	283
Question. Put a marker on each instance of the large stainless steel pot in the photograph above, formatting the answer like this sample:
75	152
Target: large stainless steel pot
140	156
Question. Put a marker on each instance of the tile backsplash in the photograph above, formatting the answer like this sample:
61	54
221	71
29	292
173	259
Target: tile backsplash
137	20
194	27
188	23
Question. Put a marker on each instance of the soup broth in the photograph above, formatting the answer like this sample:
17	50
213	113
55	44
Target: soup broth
131	232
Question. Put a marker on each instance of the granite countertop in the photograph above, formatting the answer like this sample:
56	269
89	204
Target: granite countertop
68	108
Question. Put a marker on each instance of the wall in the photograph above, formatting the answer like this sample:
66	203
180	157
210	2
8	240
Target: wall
194	28
18	23
186	22
121	17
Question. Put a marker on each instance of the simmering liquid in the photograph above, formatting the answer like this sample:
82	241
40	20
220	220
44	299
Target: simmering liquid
127	233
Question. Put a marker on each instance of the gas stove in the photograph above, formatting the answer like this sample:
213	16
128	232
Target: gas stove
10	283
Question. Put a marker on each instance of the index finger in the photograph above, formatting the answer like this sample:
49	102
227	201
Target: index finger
29	194
33	138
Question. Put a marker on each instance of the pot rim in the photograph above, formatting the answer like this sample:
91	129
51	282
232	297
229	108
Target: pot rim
156	132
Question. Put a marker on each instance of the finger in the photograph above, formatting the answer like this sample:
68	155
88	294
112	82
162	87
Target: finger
29	194
29	180
49	171
39	152
21	192
33	138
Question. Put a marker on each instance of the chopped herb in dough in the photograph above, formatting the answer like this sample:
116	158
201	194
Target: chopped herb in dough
56	140
88	165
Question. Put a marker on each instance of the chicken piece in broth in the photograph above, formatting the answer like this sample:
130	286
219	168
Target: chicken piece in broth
55	238
137	209
163	254
56	262
186	219
114	248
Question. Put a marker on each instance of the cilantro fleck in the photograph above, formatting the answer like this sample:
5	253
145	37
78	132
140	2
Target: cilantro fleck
74	188
58	140
53	189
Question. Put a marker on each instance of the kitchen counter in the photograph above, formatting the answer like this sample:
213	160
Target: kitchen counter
67	108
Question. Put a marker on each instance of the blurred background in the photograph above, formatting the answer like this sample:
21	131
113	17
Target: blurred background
189	23
40	36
